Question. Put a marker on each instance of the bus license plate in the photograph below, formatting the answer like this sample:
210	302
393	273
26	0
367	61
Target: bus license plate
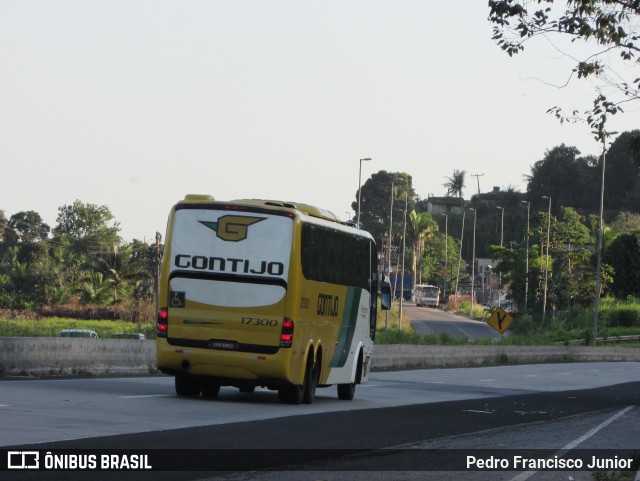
224	345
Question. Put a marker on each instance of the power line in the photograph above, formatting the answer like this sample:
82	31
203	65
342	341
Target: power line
477	176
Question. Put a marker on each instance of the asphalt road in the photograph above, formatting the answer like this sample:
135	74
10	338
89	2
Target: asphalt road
429	321
429	418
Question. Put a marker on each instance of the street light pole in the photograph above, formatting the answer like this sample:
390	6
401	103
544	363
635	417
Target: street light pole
460	255
501	242
526	261
473	261
446	257
359	188
546	270
390	234
395	283
404	236
386	269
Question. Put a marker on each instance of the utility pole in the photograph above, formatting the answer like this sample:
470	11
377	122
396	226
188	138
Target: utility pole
477	176
404	235
596	305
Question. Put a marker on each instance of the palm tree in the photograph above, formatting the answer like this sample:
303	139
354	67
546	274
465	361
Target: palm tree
97	290
455	183
121	267
454	187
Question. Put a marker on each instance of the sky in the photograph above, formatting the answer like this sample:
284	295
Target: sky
133	104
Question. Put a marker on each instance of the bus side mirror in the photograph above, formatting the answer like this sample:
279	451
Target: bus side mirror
385	293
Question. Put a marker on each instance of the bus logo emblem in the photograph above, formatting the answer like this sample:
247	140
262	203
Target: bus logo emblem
232	228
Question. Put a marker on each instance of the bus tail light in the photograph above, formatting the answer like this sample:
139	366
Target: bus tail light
162	324
286	336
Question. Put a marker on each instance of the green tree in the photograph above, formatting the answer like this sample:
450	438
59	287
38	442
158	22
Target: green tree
605	26
423	228
570	180
375	204
511	269
3	224
625	222
27	232
571	279
96	289
623	254
622	172
573	273
434	261
120	265
455	184
89	228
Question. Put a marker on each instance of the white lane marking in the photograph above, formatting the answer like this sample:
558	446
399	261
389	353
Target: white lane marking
476	411
145	396
486	380
4	405
573	444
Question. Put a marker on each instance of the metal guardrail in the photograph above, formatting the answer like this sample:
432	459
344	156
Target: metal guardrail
612	339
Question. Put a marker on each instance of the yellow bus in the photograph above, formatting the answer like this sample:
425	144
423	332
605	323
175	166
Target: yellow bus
259	293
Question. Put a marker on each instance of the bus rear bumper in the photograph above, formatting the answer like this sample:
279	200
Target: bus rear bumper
226	368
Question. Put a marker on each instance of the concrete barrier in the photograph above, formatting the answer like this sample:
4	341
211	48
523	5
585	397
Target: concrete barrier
42	356
394	357
59	356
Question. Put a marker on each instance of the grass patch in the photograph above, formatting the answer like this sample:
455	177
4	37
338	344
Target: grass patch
51	327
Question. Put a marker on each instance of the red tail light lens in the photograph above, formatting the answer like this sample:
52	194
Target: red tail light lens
162	325
286	337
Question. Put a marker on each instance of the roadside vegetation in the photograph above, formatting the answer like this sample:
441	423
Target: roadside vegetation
52	327
540	252
616	318
571	327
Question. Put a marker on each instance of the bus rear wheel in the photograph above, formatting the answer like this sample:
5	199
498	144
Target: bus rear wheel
210	390
186	387
291	394
304	393
310	383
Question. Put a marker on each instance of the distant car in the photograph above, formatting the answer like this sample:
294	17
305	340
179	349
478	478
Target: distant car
78	333
130	335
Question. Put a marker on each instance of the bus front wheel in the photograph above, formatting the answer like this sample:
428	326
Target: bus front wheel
346	392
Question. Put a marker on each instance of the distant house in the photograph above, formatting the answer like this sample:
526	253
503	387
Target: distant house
445	205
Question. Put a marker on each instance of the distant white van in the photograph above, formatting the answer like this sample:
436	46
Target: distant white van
427	295
78	333
129	335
